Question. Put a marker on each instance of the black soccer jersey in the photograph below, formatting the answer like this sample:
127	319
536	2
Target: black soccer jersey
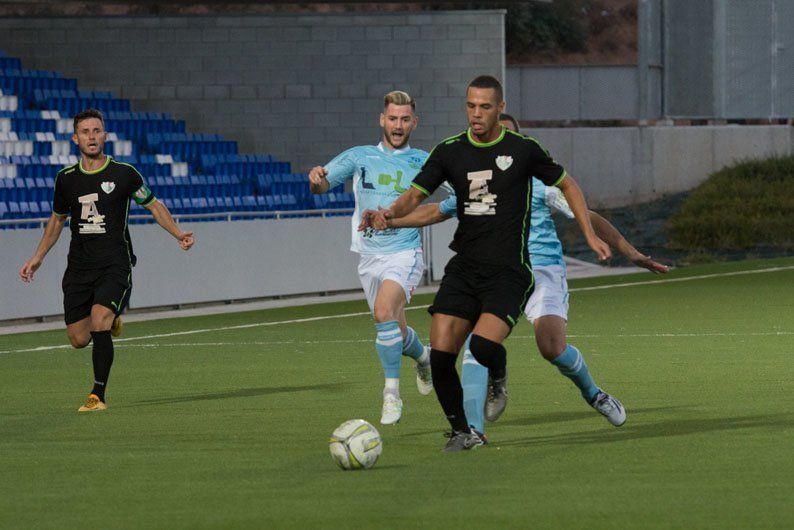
98	204
493	183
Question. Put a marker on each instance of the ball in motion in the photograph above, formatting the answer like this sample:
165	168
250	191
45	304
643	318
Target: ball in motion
355	445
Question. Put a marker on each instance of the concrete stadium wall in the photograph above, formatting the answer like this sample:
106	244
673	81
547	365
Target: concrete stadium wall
235	260
303	87
624	165
231	260
576	92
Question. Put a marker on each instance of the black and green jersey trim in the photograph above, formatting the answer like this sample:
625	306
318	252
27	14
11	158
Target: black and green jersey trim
108	158
564	174
420	188
149	198
475	143
447	141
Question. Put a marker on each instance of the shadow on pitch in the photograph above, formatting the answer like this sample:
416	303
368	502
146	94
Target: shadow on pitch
662	429
552	417
241	393
566	416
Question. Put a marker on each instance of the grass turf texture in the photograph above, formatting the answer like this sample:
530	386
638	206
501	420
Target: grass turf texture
229	429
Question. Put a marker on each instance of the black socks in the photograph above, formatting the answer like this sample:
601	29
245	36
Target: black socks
447	385
103	358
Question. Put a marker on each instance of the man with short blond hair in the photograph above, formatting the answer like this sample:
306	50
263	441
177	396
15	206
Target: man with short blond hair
390	261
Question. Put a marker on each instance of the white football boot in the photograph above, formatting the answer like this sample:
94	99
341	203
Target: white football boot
392	409
610	408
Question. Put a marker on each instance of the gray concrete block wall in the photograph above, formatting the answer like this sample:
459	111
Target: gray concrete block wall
302	87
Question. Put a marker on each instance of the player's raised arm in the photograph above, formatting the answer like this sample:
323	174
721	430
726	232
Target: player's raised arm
612	236
51	234
334	173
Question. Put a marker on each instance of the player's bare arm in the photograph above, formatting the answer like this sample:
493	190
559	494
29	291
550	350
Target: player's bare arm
424	215
573	194
318	181
612	236
163	217
51	234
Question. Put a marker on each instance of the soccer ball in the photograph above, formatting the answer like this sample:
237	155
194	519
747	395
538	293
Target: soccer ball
355	445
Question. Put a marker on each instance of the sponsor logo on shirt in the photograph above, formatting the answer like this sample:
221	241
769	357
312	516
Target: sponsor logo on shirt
94	221
481	200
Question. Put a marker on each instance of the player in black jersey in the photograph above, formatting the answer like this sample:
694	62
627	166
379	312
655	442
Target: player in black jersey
95	195
488	282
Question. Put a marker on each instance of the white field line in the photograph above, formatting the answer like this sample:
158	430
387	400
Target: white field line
365	313
512	337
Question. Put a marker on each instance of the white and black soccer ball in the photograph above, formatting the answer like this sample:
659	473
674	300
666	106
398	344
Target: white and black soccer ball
355	444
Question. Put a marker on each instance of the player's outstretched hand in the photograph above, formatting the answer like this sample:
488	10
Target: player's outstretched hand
317	175
646	262
29	269
186	240
601	249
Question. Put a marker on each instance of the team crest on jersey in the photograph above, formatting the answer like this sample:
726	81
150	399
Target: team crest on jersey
108	187
503	162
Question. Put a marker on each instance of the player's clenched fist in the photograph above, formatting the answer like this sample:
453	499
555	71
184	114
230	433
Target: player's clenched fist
186	240
317	179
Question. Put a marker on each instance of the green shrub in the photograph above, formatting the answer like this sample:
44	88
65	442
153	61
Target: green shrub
742	206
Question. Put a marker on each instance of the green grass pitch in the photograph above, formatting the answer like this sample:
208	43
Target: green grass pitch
228	428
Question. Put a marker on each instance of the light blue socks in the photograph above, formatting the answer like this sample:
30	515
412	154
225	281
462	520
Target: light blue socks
571	364
474	379
389	343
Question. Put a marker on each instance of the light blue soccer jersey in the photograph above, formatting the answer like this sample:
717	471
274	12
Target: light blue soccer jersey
544	246
379	176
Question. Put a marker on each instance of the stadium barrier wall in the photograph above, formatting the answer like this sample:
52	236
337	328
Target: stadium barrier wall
230	261
576	92
616	166
301	87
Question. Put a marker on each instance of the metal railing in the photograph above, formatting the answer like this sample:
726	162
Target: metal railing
40	222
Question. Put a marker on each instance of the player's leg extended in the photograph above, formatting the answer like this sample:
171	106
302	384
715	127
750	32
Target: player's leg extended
474	378
552	344
413	348
387	311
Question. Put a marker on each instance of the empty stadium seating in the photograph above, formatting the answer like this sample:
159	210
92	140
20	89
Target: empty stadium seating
193	174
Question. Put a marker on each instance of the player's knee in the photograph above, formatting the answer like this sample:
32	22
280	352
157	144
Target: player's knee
79	341
383	313
551	347
101	320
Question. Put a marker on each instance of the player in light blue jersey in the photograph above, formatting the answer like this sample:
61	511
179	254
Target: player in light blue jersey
547	308
391	261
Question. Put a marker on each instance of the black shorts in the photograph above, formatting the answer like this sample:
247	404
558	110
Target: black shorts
471	288
109	287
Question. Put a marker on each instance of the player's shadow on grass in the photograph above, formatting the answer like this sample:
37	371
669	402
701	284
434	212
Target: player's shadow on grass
562	417
552	417
662	429
241	393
